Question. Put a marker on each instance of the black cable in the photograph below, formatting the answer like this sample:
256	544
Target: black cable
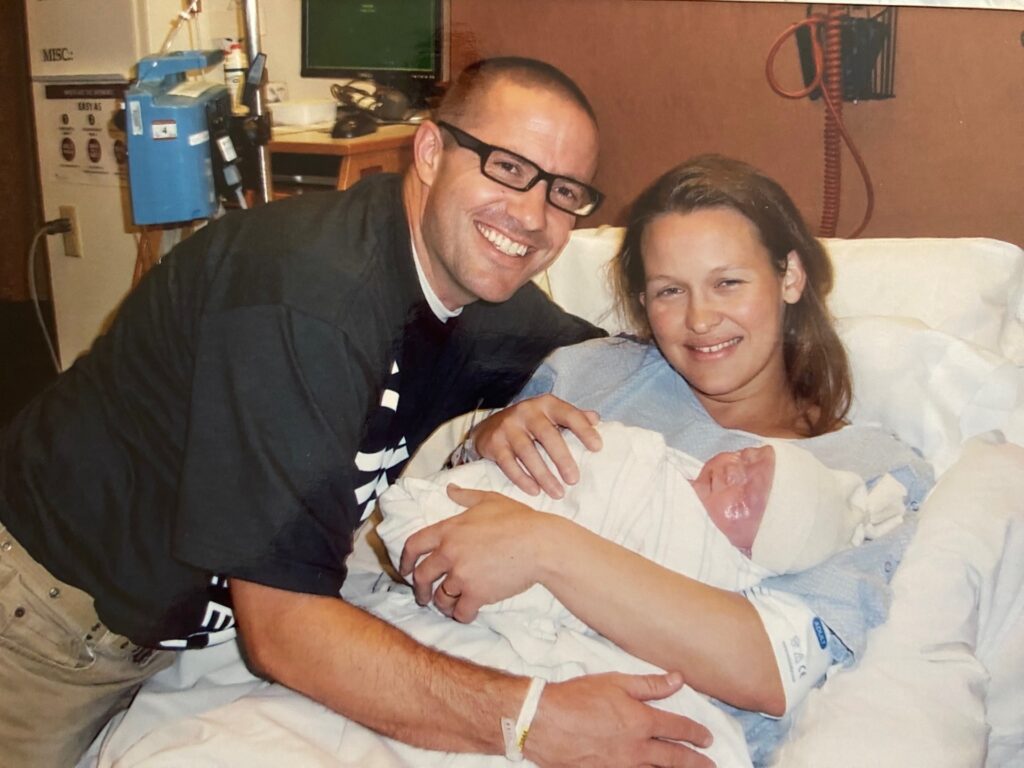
57	226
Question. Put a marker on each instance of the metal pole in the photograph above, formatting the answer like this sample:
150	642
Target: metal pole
251	17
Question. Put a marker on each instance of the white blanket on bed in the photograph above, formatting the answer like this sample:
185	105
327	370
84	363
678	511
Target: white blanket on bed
942	681
272	726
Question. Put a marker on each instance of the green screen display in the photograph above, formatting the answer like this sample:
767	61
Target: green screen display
371	35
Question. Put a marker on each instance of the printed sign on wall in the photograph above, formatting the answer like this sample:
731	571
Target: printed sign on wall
77	130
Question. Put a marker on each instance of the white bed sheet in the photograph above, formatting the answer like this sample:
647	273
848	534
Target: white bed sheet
271	726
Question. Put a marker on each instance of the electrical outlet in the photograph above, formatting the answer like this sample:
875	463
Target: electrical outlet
73	237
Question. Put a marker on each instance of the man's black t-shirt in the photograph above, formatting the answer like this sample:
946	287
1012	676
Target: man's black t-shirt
251	398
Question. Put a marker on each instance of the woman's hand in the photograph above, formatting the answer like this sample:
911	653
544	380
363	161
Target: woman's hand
509	438
491	551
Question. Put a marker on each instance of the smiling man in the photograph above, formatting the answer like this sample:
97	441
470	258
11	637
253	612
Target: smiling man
202	469
478	185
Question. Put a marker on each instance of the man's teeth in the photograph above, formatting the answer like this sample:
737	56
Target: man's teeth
502	243
718	347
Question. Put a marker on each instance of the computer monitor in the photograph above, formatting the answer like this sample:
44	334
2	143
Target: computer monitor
398	43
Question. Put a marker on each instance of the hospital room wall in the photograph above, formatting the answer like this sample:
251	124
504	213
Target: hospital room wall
672	79
19	184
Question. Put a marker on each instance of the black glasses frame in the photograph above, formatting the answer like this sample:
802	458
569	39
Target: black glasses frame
484	150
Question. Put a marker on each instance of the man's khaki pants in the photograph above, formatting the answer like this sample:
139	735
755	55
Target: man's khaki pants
62	672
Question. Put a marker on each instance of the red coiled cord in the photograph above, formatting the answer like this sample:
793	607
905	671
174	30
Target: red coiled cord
833	86
828	76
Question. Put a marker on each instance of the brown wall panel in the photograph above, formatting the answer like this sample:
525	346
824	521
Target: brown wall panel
671	78
19	188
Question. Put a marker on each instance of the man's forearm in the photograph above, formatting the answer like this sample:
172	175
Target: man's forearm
373	673
376	675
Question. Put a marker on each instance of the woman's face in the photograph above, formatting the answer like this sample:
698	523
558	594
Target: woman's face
715	303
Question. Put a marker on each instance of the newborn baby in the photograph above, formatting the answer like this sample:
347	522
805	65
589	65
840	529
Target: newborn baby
785	510
730	522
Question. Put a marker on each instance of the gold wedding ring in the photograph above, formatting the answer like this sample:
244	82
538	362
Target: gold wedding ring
456	596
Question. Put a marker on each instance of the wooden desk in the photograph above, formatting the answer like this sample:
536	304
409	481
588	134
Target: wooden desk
389	149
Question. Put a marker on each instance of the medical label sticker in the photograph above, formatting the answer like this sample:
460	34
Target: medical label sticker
163	130
135	115
819	632
227	149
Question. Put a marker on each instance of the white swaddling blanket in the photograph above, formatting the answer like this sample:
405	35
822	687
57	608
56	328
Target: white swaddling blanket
635	491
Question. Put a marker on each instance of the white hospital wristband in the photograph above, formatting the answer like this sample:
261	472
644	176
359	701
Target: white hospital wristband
799	639
515	731
464	452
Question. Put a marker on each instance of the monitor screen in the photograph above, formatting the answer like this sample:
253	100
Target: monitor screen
401	43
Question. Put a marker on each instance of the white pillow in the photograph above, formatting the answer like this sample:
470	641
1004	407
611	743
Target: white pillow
967	287
579	280
930	388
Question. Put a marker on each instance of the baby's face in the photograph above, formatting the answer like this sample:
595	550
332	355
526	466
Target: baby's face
734	489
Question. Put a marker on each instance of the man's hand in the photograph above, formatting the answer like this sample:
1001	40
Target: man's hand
489	552
509	438
601	720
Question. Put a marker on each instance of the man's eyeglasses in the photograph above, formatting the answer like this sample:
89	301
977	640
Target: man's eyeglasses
516	172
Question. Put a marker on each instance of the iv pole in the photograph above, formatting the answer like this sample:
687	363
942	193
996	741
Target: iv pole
251	17
258	118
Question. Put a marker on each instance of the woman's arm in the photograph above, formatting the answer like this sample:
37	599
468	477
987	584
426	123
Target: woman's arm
713	636
499	547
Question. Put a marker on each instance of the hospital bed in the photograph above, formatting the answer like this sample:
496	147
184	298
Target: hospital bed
935	331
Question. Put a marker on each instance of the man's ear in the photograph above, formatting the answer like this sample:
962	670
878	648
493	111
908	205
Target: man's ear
427	149
794	280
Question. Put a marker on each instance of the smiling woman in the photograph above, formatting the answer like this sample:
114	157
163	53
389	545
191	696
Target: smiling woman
716	312
719	268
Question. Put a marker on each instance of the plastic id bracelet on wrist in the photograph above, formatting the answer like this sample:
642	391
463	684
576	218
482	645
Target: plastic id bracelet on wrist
515	731
464	453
